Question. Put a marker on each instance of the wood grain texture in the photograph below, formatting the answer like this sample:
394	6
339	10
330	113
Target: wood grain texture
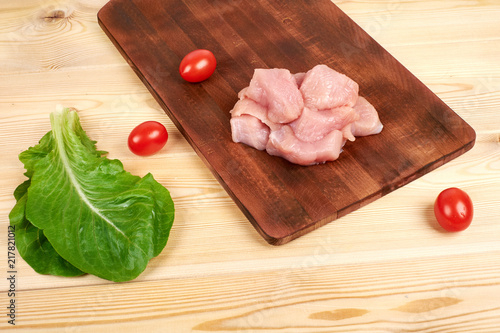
284	201
385	267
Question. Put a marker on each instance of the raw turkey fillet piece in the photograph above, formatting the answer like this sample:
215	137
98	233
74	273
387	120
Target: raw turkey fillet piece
368	122
277	90
324	88
284	143
313	125
250	131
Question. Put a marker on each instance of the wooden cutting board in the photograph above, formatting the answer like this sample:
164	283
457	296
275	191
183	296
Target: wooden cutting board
284	201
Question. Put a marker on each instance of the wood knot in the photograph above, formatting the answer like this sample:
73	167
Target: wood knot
56	15
429	304
339	314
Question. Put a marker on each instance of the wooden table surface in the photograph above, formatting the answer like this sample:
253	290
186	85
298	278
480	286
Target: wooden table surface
386	267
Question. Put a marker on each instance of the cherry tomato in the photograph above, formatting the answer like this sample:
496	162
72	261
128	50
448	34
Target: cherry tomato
453	209
197	65
147	138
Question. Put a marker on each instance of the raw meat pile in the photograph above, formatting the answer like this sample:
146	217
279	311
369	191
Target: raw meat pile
305	118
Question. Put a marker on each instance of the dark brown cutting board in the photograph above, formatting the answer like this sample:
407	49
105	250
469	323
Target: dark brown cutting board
284	201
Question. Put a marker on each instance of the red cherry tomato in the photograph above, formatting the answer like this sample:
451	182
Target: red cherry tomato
147	138
453	209
197	65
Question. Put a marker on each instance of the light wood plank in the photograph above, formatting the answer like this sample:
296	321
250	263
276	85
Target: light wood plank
376	297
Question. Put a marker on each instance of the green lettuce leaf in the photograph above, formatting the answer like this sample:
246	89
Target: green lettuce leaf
98	217
32	244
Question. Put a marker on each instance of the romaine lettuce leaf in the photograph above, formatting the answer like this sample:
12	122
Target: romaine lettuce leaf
97	216
32	244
